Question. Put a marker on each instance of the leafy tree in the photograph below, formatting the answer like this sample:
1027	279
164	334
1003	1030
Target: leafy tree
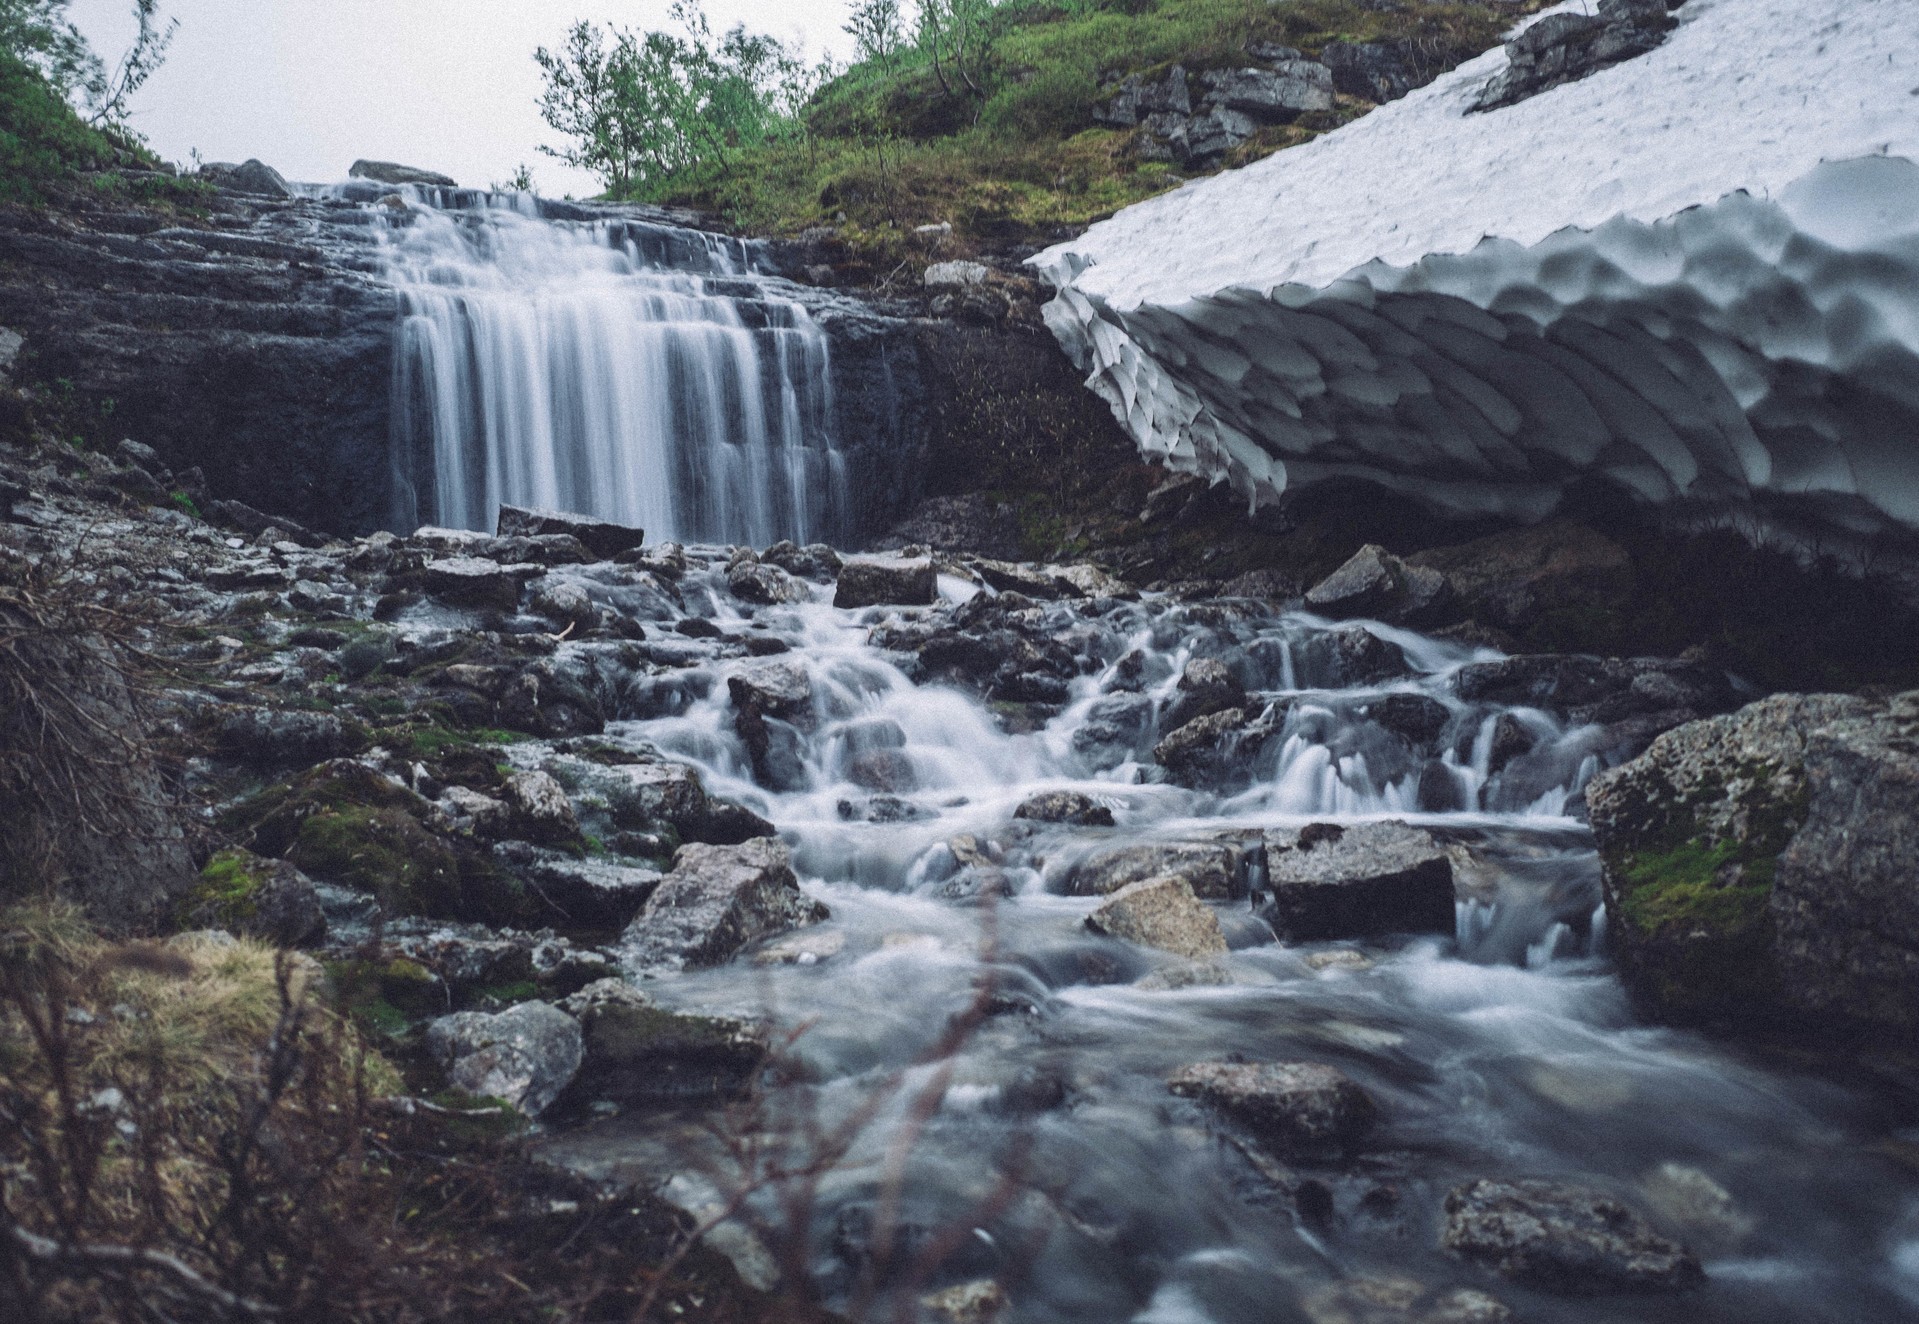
878	30
642	107
957	38
38	33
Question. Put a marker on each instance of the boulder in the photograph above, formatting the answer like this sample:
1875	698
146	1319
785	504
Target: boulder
1414	718
391	172
272	738
1160	912
1597	689
1563	47
1065	807
886	583
589	893
564	602
949	275
1271	96
1215	870
1207	686
1136	99
813	561
1350	655
1375	71
1757	865
603	538
716	901
1208	749
1375	583
526	1055
252	176
774	692
259	898
1301	1109
1114	730
541	810
636	1052
1360	881
472	581
1515	579
765	584
1562	1238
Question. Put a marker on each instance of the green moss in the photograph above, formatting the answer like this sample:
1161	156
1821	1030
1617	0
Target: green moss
385	852
226	893
386	996
185	504
505	995
1687	887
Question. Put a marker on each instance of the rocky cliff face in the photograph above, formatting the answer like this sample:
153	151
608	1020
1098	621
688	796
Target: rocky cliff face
252	343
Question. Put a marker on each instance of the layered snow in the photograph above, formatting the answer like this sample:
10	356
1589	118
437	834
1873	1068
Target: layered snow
1695	273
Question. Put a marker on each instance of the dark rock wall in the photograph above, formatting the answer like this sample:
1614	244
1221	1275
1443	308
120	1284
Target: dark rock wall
252	344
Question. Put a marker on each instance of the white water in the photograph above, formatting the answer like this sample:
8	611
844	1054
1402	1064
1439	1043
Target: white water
636	371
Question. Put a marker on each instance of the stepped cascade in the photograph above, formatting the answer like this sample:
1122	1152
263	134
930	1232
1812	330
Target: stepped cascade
611	365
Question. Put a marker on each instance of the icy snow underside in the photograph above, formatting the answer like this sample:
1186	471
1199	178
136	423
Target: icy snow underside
1647	275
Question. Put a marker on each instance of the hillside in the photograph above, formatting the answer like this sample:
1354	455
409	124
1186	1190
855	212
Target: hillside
1013	151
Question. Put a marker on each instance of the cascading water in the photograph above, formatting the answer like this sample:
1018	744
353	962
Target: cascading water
1052	1157
617	367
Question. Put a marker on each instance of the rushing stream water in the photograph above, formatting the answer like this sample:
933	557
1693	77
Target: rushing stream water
1049	1147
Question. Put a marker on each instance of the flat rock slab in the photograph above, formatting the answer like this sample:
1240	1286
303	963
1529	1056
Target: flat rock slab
472	581
1296	1108
1215	870
595	894
638	1052
1358	881
717	900
1564	1238
1160	912
525	1055
603	538
886	583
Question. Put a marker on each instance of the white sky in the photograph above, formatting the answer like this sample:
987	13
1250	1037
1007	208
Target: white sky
450	85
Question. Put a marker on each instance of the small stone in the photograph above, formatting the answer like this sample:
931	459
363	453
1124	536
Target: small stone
544	812
981	1302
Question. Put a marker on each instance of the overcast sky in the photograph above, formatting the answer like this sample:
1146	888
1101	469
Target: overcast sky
309	85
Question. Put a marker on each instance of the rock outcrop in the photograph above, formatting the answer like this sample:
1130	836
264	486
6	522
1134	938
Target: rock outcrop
1758	867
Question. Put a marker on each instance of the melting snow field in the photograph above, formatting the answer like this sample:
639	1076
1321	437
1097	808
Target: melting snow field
1692	273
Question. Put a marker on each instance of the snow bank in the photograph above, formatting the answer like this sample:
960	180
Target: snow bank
1696	273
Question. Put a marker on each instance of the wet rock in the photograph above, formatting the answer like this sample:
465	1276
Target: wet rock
766	584
1562	48
1065	807
887	770
980	1302
588	893
971	523
770	702
1375	583
546	549
602	538
472	581
525	1055
478	813
1008	577
882	809
813	561
243	893
1602	690
1415	718
564	602
1402	1301
1562	1238
392	172
1215	870
1115	730
1160	912
886	583
544	700
272	738
1363	880
1351	655
1207	686
636	1052
1756	865
1301	1109
1089	581
1206	749
716	901
1263	585
1511	738
540	806
1513	580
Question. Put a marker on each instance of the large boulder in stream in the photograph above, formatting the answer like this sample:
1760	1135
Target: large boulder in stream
604	538
1214	870
1761	867
1358	881
1302	1109
717	900
1563	1238
638	1052
525	1055
886	583
1160	912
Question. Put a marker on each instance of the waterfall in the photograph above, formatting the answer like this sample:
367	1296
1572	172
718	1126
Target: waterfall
636	371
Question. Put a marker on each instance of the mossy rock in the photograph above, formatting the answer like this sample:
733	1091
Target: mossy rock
382	851
636	1053
272	819
243	893
386	996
